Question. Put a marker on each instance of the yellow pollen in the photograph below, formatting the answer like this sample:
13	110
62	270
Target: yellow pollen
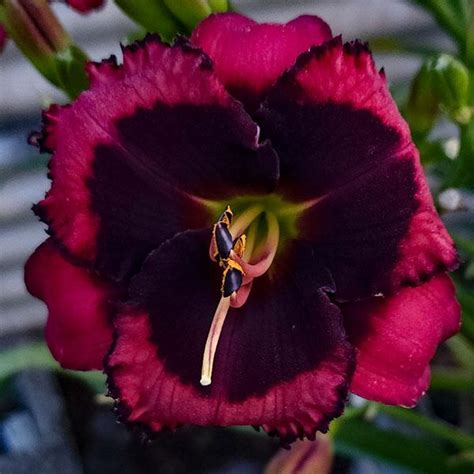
239	247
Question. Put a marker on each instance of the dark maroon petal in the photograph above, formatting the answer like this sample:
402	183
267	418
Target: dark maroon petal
345	149
249	57
85	6
135	155
396	338
79	327
331	119
282	360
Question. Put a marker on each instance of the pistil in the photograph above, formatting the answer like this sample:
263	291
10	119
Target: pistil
212	340
238	273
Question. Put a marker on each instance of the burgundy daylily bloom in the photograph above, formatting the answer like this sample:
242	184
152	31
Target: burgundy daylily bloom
326	273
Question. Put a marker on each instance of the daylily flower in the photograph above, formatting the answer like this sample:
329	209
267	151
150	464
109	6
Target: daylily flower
281	134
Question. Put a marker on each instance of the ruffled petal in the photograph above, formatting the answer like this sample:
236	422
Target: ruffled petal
345	150
85	6
396	338
135	156
79	327
282	361
249	57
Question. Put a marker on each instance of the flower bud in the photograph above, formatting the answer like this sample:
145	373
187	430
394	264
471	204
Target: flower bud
40	36
170	17
153	15
36	31
423	105
191	12
451	83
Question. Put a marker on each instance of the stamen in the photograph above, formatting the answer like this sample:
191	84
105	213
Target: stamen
232	278
212	340
240	245
250	240
266	254
244	220
233	250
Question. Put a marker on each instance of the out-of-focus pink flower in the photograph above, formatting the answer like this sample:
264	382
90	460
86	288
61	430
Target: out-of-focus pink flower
304	457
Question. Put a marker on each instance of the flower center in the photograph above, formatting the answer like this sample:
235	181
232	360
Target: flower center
238	247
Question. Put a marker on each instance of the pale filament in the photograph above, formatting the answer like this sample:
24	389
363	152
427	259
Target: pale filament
239	225
267	253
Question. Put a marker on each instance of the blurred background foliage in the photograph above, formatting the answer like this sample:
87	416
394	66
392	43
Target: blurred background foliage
438	103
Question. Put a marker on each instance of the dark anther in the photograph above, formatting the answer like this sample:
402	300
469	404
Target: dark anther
226	216
222	240
231	278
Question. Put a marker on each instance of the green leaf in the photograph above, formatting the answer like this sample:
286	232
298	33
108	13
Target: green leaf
37	355
355	437
435	428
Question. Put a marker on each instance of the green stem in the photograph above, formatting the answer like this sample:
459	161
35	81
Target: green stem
469	47
437	428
